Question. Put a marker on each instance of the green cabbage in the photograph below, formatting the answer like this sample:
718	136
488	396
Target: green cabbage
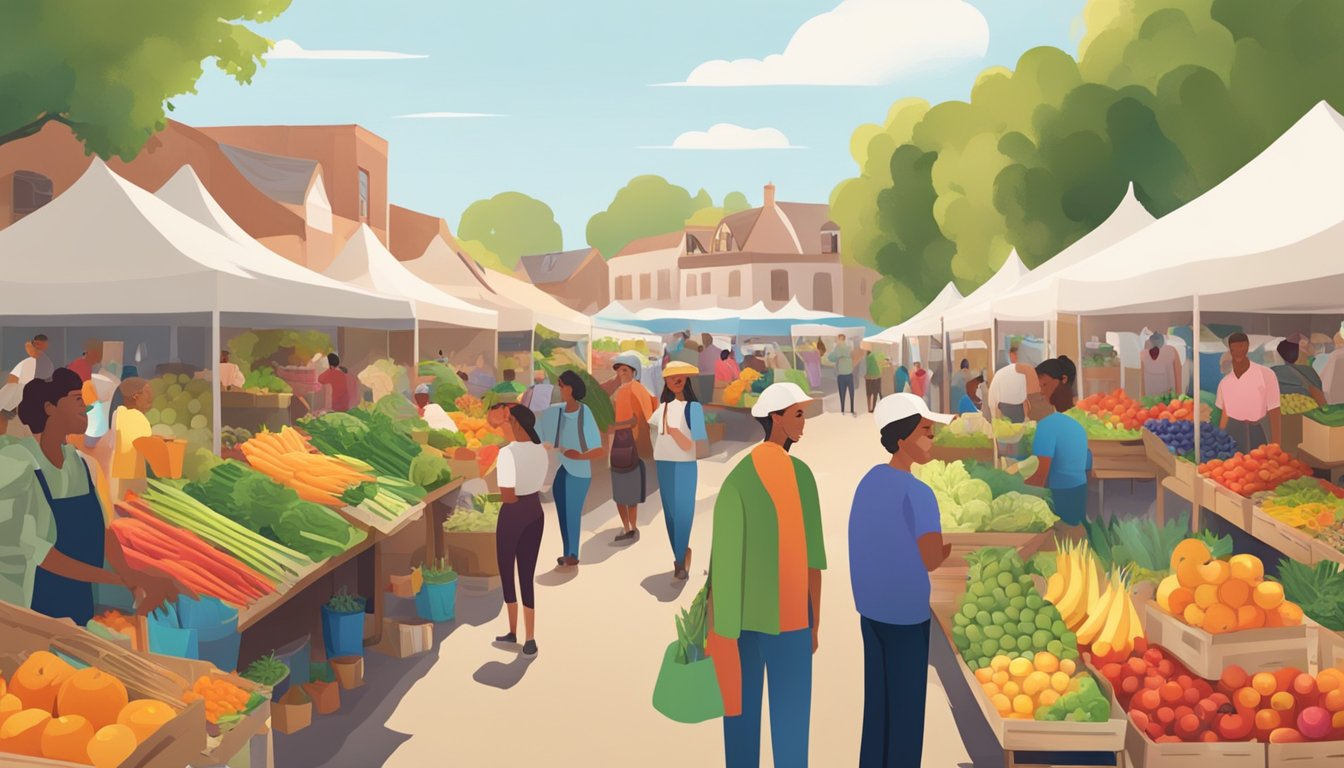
1020	513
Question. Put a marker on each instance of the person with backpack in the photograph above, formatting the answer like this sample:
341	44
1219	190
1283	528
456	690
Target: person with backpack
633	405
679	423
571	429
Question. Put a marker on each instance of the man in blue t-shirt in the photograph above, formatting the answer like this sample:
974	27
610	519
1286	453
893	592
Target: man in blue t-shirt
895	541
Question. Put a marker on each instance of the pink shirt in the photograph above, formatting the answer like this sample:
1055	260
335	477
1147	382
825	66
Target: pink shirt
919	382
1250	397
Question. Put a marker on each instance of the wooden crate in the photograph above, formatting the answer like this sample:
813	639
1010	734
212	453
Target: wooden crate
1158	453
1146	753
1207	655
1325	443
1319	754
1233	507
1321	552
963	544
949	454
472	553
1281	536
1186	472
946	585
1330	646
247	734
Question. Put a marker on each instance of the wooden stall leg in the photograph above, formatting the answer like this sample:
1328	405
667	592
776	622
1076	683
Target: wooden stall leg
1161	510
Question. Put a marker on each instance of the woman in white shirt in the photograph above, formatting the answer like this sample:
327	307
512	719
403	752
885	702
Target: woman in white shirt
521	471
1161	367
679	422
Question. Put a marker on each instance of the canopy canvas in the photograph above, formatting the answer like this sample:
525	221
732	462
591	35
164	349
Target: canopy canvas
547	310
925	322
441	266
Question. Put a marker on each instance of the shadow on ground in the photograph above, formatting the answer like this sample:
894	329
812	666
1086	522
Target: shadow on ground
664	587
497	674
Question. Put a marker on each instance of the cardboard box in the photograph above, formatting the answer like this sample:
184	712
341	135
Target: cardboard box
1324	443
1207	655
404	638
293	712
472	553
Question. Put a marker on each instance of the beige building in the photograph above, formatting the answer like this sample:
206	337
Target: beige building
645	273
578	279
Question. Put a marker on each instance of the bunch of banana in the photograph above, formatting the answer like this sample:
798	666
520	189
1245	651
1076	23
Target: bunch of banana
1112	623
1076	584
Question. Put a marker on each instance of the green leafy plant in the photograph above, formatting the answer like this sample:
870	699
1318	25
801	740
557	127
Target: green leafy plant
1147	547
1319	589
344	602
267	670
482	516
440	573
693	628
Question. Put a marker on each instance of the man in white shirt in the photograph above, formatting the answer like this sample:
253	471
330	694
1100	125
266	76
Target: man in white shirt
1332	376
230	375
26	370
537	398
1008	390
433	413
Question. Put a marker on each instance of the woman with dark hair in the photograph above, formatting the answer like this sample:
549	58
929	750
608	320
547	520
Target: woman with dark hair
53	534
1295	379
633	405
572	431
1061	443
521	473
679	422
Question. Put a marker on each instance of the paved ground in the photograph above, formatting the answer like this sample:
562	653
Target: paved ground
585	699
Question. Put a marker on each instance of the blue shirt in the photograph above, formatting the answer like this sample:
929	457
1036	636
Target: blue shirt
556	418
1064	442
902	379
892	509
967	405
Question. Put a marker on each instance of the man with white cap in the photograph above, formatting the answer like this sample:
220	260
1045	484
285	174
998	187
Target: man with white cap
895	542
432	413
765	586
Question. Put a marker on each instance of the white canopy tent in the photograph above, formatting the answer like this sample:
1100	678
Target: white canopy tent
546	309
973	312
441	266
919	324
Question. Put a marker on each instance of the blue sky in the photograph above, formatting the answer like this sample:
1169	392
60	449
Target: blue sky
574	88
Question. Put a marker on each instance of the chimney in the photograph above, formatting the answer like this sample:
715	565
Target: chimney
770	195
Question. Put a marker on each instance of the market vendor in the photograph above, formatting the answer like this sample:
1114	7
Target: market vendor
338	379
230	375
432	413
1061	443
1295	378
131	436
53	534
1247	396
1161	368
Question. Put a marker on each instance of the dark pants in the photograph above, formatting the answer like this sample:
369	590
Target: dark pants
518	539
787	659
846	383
895	683
1248	434
872	388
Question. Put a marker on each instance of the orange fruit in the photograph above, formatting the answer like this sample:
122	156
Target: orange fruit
1179	599
1220	618
1264	683
145	716
93	694
1330	679
1206	596
67	738
38	679
1215	572
1234	593
1164	591
1290	613
1250	617
1268	595
9	704
1194	615
22	732
1190	550
111	745
1189	574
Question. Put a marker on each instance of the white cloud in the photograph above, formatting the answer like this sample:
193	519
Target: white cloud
729	136
288	49
861	42
446	115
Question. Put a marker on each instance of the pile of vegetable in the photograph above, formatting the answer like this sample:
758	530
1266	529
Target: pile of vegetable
1003	482
231	437
267	670
1329	415
440	573
374	438
470	405
287	458
482	517
263	379
446	388
181	408
264	506
1263	469
252	347
1294	404
1319	589
384	377
968	504
1304	503
477	432
966	431
1144	547
1179	437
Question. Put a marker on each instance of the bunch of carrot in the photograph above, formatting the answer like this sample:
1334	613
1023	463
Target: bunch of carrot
152	544
287	458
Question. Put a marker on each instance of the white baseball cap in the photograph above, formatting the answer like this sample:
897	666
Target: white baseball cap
903	405
777	397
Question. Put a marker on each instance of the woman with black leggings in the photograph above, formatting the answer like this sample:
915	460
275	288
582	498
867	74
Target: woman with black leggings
521	473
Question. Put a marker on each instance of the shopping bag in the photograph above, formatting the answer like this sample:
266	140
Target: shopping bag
687	693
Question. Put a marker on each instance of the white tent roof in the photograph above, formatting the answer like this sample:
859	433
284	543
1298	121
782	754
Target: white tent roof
923	320
795	311
299	290
1269	238
707	313
440	266
547	310
365	262
975	307
829	331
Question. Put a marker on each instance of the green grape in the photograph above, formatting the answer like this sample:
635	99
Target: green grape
986	603
1030	615
1039	639
1035	601
1019	603
1005	579
999	617
982	618
1055	647
993	632
991	571
1012	613
1025	628
968	610
1069	639
1043	622
1013	590
978	590
959	635
959	620
989	648
1000	597
1071	653
1058	628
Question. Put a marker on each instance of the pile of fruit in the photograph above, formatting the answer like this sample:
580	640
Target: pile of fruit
1002	614
1116	409
1168	704
1043	687
51	710
181	408
477	431
121	624
1179	437
470	405
732	394
223	699
232	437
1221	596
1293	404
1108	622
1288	706
1263	469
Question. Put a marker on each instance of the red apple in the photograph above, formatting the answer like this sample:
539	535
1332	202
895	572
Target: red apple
1234	677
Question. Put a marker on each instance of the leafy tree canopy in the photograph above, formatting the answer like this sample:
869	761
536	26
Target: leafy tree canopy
508	226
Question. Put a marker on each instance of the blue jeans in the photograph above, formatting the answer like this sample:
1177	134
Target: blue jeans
570	492
846	384
895	683
788	657
676	485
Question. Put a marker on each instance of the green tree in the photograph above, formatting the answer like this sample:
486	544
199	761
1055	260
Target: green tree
109	70
508	226
648	205
484	256
711	215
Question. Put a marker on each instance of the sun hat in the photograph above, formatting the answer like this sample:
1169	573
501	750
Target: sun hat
678	368
630	360
903	405
777	397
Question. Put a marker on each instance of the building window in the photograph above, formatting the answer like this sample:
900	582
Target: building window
723	240
704	284
823	299
690	285
664	284
779	285
363	194
623	288
830	242
646	286
31	191
734	284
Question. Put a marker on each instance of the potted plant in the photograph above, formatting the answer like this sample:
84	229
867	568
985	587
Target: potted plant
438	595
343	625
687	690
322	689
269	671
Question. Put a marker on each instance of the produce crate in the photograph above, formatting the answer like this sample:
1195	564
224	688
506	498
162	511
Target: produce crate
1233	507
1207	655
949	454
946	585
1325	443
1186	472
177	743
1158	453
1146	753
371	522
1329	646
472	553
1281	536
1317	754
1321	552
222	747
237	398
1291	431
1026	544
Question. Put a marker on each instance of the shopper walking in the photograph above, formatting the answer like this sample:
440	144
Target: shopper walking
520	471
895	538
902	379
843	357
679	423
765	587
1061	443
633	405
872	380
1248	396
1161	368
572	431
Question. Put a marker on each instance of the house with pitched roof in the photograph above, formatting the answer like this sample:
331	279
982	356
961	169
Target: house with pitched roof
577	278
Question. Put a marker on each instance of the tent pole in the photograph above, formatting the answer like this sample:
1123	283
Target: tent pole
216	402
1082	385
946	398
1198	406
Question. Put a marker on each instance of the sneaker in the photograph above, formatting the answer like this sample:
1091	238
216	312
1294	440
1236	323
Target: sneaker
571	561
509	638
679	573
530	648
625	536
560	560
